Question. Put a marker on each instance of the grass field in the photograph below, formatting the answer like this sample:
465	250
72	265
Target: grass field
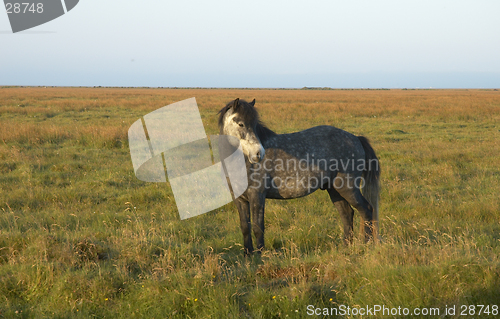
81	237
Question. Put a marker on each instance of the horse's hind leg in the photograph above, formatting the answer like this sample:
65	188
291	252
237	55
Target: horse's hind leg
346	214
353	196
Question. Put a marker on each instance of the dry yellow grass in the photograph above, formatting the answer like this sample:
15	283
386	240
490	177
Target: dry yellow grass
80	236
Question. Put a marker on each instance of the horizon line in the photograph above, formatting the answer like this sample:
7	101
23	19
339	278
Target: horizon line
312	88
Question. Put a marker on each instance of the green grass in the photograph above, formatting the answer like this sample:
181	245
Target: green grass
81	237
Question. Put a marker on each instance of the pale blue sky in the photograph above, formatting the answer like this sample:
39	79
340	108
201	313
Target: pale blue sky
443	44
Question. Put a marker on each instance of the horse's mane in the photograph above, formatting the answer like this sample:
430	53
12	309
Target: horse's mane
247	111
263	132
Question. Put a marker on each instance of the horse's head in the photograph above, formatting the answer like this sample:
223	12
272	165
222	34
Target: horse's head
240	119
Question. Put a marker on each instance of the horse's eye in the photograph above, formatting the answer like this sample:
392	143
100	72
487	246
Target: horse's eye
241	124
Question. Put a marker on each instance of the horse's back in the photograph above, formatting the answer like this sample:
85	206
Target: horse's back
322	141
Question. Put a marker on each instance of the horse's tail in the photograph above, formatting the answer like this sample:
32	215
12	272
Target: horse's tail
371	185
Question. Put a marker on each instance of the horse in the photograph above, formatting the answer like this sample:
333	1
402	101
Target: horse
286	166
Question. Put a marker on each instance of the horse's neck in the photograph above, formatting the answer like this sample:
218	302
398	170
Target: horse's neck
264	133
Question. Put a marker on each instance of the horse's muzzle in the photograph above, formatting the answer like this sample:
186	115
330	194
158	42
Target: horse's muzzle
257	157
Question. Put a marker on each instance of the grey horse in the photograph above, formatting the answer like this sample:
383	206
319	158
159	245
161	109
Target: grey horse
286	166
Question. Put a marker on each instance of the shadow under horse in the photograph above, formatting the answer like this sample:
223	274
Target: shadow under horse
286	166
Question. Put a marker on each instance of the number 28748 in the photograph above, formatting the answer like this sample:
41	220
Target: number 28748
25	7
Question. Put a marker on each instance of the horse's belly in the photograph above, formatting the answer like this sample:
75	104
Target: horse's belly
295	185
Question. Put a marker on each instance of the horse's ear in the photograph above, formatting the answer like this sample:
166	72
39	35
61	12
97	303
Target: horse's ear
236	103
252	103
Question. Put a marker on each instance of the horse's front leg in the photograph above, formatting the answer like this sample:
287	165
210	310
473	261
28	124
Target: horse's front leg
257	205
245	224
